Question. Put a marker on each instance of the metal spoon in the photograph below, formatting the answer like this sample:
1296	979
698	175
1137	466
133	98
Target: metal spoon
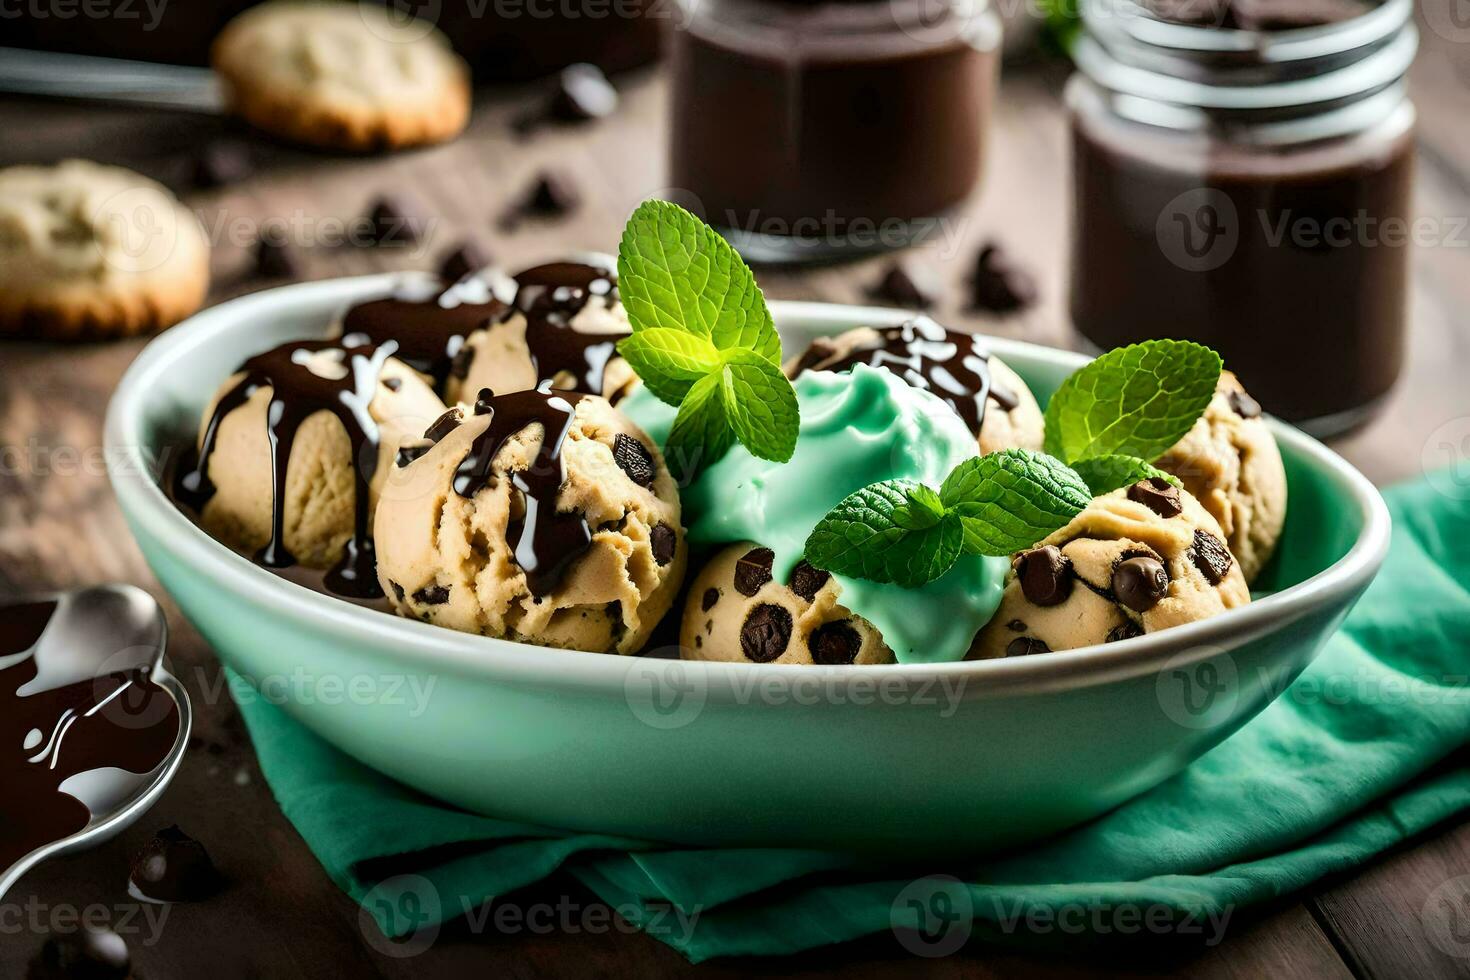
80	76
82	684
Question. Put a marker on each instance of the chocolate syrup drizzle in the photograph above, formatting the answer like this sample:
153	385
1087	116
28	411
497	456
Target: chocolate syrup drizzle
64	713
430	322
550	297
546	541
927	356
297	393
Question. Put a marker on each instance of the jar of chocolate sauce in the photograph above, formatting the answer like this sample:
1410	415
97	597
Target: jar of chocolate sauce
1248	186
812	130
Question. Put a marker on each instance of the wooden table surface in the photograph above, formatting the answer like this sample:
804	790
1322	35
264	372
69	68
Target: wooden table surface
280	916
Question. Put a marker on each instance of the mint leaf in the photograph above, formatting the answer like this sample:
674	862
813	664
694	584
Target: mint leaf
1011	499
1104	474
676	271
1133	401
924	509
669	361
700	434
760	405
860	538
700	324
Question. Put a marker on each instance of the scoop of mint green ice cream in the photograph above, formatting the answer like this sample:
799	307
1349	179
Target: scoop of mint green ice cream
857	428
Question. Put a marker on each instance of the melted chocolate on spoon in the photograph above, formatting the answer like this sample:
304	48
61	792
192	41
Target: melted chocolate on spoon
550	296
927	356
546	541
297	393
70	728
430	322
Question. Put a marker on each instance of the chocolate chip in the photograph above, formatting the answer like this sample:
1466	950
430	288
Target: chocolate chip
766	632
1127	631
1244	405
1140	582
208	745
663	541
173	867
1210	556
711	596
410	451
397	589
999	285
459	368
445	424
393	222
87	954
1158	495
468	257
552	194
835	643
1016	626
220	164
753	570
1046	575
484	402
432	595
634	459
902	287
582	93
273	260
807	581
1025	646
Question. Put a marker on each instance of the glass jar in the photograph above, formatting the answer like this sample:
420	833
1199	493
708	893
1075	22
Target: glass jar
807	130
1251	191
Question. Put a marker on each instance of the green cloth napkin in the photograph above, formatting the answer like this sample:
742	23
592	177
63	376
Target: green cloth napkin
1357	756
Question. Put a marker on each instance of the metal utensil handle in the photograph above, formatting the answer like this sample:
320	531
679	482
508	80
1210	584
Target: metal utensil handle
76	76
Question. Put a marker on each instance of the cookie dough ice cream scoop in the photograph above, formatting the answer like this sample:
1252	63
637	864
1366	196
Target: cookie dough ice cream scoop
295	448
541	516
737	610
857	428
1137	560
563	328
1230	463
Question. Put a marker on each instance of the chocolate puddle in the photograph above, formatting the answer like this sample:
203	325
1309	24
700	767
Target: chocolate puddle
297	393
430	322
545	542
927	356
82	723
550	297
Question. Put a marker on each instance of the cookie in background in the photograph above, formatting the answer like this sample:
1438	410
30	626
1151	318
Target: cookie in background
342	76
92	251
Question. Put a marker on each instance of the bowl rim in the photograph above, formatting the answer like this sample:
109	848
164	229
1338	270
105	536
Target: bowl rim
148	507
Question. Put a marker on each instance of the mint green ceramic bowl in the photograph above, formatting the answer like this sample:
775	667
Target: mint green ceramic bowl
961	756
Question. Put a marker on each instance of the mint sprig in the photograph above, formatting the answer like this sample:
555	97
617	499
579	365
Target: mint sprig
1011	499
1131	405
1104	474
887	532
703	339
904	532
1134	401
